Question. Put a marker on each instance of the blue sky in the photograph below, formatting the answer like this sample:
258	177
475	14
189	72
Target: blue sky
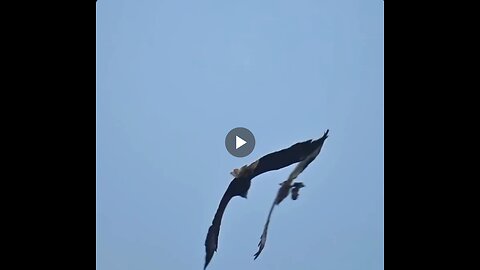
173	77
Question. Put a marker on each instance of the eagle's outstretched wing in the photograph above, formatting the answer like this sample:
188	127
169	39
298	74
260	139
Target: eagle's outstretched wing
284	190
211	242
288	156
263	238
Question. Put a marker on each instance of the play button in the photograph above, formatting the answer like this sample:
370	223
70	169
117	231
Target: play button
240	142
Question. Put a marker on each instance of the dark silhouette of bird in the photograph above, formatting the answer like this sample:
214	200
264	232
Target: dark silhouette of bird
286	187
296	190
240	185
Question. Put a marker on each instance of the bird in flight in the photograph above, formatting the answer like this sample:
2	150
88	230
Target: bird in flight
285	189
240	185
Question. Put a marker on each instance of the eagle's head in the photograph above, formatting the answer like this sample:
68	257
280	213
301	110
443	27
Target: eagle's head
238	173
245	171
235	173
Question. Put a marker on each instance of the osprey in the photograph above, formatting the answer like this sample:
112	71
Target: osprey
240	185
285	188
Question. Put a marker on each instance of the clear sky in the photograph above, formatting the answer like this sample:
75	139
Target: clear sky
173	77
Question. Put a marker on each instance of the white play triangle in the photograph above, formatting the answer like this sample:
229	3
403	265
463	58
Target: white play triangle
239	142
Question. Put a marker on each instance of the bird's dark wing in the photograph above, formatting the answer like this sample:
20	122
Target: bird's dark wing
211	242
288	156
263	238
309	158
282	192
304	164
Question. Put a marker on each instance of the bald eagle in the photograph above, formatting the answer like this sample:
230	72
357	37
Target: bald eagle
286	187
240	185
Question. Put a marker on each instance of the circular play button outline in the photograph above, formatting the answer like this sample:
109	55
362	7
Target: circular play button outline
240	142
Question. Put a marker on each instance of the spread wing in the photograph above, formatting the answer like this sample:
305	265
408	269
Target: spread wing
288	156
211	242
304	164
263	238
281	194
284	189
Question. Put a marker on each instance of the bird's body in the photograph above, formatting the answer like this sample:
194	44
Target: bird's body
240	185
296	189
